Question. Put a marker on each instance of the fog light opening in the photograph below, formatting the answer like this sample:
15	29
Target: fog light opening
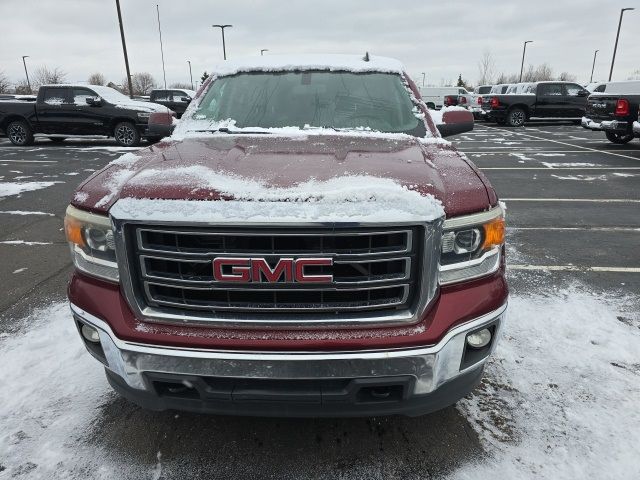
479	339
90	334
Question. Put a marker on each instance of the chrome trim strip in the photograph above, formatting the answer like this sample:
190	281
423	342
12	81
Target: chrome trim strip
474	219
492	255
431	365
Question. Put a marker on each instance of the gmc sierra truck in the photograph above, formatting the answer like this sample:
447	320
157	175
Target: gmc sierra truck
540	100
614	111
304	244
64	110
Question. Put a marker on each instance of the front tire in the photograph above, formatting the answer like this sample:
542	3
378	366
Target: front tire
619	138
516	117
20	133
126	134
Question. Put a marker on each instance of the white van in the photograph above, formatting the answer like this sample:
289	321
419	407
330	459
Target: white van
434	96
629	86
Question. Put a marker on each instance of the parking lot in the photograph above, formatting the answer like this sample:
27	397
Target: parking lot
573	203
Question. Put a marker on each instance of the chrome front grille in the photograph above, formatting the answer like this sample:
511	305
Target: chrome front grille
377	270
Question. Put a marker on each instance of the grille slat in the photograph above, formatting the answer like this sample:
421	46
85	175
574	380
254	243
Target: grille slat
373	269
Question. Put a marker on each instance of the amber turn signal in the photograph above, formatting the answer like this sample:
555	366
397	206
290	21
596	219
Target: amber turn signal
73	231
494	232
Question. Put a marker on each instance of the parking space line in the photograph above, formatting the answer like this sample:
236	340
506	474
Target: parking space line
571	145
27	161
574	229
574	268
559	168
591	200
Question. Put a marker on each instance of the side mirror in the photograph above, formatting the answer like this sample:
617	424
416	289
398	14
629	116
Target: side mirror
455	122
583	93
94	101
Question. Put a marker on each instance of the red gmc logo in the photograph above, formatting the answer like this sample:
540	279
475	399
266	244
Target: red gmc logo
245	270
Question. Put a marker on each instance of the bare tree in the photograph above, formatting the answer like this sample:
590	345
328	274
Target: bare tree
22	88
96	79
543	72
567	77
46	76
142	83
4	83
486	67
183	86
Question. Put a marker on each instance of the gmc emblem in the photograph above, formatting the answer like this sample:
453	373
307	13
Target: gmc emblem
257	270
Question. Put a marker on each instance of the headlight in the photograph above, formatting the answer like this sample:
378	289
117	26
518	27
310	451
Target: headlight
471	246
92	244
144	115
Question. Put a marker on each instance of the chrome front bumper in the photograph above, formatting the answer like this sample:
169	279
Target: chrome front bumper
431	366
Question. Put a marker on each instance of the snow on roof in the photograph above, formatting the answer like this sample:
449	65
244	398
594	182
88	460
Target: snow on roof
331	62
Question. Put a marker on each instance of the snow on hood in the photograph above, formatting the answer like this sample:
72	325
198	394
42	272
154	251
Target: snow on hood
357	198
119	100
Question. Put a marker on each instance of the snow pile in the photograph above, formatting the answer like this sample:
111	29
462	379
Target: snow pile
352	198
16	188
561	397
26	212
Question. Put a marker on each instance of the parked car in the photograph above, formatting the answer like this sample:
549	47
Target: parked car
63	110
434	96
614	111
176	99
500	89
540	100
304	245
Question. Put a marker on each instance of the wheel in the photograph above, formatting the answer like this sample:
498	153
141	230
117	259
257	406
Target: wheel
619	138
126	134
57	139
20	133
516	117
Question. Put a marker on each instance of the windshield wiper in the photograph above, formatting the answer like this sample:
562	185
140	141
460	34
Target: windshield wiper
233	132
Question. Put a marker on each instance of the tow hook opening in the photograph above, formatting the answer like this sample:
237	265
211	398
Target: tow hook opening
478	345
383	393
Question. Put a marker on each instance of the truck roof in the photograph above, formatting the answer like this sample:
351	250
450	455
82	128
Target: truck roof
329	62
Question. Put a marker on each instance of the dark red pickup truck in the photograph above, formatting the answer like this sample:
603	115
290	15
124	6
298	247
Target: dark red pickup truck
305	244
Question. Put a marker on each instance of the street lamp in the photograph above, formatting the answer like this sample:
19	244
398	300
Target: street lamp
190	74
595	54
423	77
524	50
263	50
124	49
613	59
222	27
25	71
164	73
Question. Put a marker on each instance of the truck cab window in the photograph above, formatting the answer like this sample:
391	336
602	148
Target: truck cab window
550	89
573	89
80	96
55	96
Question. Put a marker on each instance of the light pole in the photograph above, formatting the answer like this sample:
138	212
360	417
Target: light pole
263	50
423	77
164	74
124	49
224	48
190	74
25	71
595	54
613	59
524	50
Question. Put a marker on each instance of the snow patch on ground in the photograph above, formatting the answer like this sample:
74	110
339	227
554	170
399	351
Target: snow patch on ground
349	198
570	164
26	212
582	178
23	242
16	188
561	397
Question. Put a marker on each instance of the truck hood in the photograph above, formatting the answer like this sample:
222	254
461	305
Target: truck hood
165	170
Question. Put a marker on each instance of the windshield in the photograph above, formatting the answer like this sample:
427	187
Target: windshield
338	100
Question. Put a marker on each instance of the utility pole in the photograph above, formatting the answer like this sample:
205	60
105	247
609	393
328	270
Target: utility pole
263	50
595	54
423	77
164	74
615	48
224	48
25	72
524	50
124	49
190	74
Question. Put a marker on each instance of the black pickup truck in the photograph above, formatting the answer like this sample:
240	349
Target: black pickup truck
540	100
177	99
614	111
64	110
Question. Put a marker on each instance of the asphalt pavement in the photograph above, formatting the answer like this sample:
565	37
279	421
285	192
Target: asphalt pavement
573	203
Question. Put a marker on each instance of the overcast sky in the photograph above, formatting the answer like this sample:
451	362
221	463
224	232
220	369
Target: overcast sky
442	39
